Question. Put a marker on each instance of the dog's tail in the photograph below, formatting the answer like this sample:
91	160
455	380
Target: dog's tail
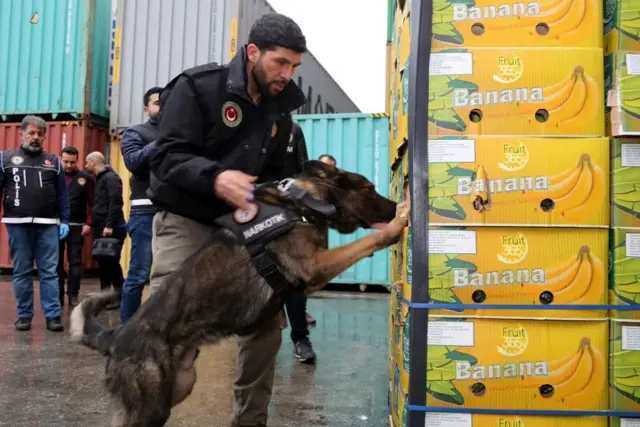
85	328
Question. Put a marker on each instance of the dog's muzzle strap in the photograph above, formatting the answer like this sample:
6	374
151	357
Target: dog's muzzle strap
288	186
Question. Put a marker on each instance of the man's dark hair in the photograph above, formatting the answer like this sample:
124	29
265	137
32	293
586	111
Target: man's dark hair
147	94
72	151
328	156
274	30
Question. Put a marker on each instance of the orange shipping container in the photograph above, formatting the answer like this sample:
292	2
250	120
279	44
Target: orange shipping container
83	135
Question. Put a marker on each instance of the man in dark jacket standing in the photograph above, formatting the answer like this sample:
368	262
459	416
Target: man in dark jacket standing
108	220
137	144
36	214
80	188
218	135
296	304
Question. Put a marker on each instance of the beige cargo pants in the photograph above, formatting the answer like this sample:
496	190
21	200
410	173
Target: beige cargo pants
174	239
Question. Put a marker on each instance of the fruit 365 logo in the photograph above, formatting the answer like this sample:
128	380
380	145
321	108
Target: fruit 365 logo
516	157
514	249
510	69
515	341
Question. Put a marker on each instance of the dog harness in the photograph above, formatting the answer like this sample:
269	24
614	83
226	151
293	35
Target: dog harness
261	224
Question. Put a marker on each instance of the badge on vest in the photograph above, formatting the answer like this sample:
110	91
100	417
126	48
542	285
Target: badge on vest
241	216
82	181
48	163
231	114
17	160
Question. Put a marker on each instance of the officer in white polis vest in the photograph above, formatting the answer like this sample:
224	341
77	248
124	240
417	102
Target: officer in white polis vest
36	214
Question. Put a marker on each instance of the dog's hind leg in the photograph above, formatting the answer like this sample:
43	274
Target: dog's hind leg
185	377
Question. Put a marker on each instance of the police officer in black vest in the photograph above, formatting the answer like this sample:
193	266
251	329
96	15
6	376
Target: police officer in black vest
80	186
36	214
137	144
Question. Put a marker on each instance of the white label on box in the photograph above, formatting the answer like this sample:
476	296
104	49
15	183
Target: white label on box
447	64
633	64
454	151
630	155
629	422
458	334
443	419
632	245
631	338
452	242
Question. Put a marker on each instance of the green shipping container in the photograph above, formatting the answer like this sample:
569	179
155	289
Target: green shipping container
54	57
360	143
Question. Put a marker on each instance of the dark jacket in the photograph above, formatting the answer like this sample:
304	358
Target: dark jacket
107	204
80	186
209	124
296	154
34	189
137	144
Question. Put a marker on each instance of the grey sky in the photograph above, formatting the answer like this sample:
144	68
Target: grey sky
357	60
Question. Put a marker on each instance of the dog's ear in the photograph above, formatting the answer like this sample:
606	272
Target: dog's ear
318	169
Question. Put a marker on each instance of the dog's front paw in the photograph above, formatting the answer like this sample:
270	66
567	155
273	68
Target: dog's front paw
403	213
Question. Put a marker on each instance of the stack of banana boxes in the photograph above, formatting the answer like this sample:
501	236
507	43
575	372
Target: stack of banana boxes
622	84
519	185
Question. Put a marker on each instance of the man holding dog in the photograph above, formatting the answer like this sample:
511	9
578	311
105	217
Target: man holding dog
218	136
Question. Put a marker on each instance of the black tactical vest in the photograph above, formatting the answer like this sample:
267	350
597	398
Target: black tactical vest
30	193
139	182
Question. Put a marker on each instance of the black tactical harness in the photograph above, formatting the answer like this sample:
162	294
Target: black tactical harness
264	222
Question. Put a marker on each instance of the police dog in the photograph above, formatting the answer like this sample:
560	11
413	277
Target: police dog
218	292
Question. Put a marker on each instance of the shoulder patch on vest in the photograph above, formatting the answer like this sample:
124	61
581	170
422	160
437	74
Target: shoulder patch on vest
242	216
17	160
231	114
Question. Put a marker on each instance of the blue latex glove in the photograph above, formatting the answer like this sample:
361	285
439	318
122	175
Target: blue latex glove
64	230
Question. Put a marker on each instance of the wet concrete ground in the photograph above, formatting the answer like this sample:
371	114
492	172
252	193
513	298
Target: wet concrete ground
46	381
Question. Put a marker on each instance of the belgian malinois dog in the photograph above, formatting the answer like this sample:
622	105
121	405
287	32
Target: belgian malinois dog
218	292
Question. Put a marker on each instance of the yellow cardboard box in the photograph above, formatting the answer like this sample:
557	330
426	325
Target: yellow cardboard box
624	366
625	272
517	364
622	85
516	91
443	419
542	23
621	28
529	266
625	183
624	422
519	181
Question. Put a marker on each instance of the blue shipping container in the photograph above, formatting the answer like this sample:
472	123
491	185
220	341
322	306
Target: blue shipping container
54	57
360	143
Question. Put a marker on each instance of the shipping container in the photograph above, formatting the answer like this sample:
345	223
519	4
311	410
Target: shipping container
155	40
116	160
83	135
54	57
360	143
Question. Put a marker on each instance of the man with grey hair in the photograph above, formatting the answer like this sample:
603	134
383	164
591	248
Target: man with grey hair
36	214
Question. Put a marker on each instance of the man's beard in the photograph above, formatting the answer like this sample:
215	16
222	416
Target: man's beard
259	76
31	147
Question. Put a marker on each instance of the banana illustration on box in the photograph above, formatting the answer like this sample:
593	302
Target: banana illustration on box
494	91
518	266
516	364
509	181
544	23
